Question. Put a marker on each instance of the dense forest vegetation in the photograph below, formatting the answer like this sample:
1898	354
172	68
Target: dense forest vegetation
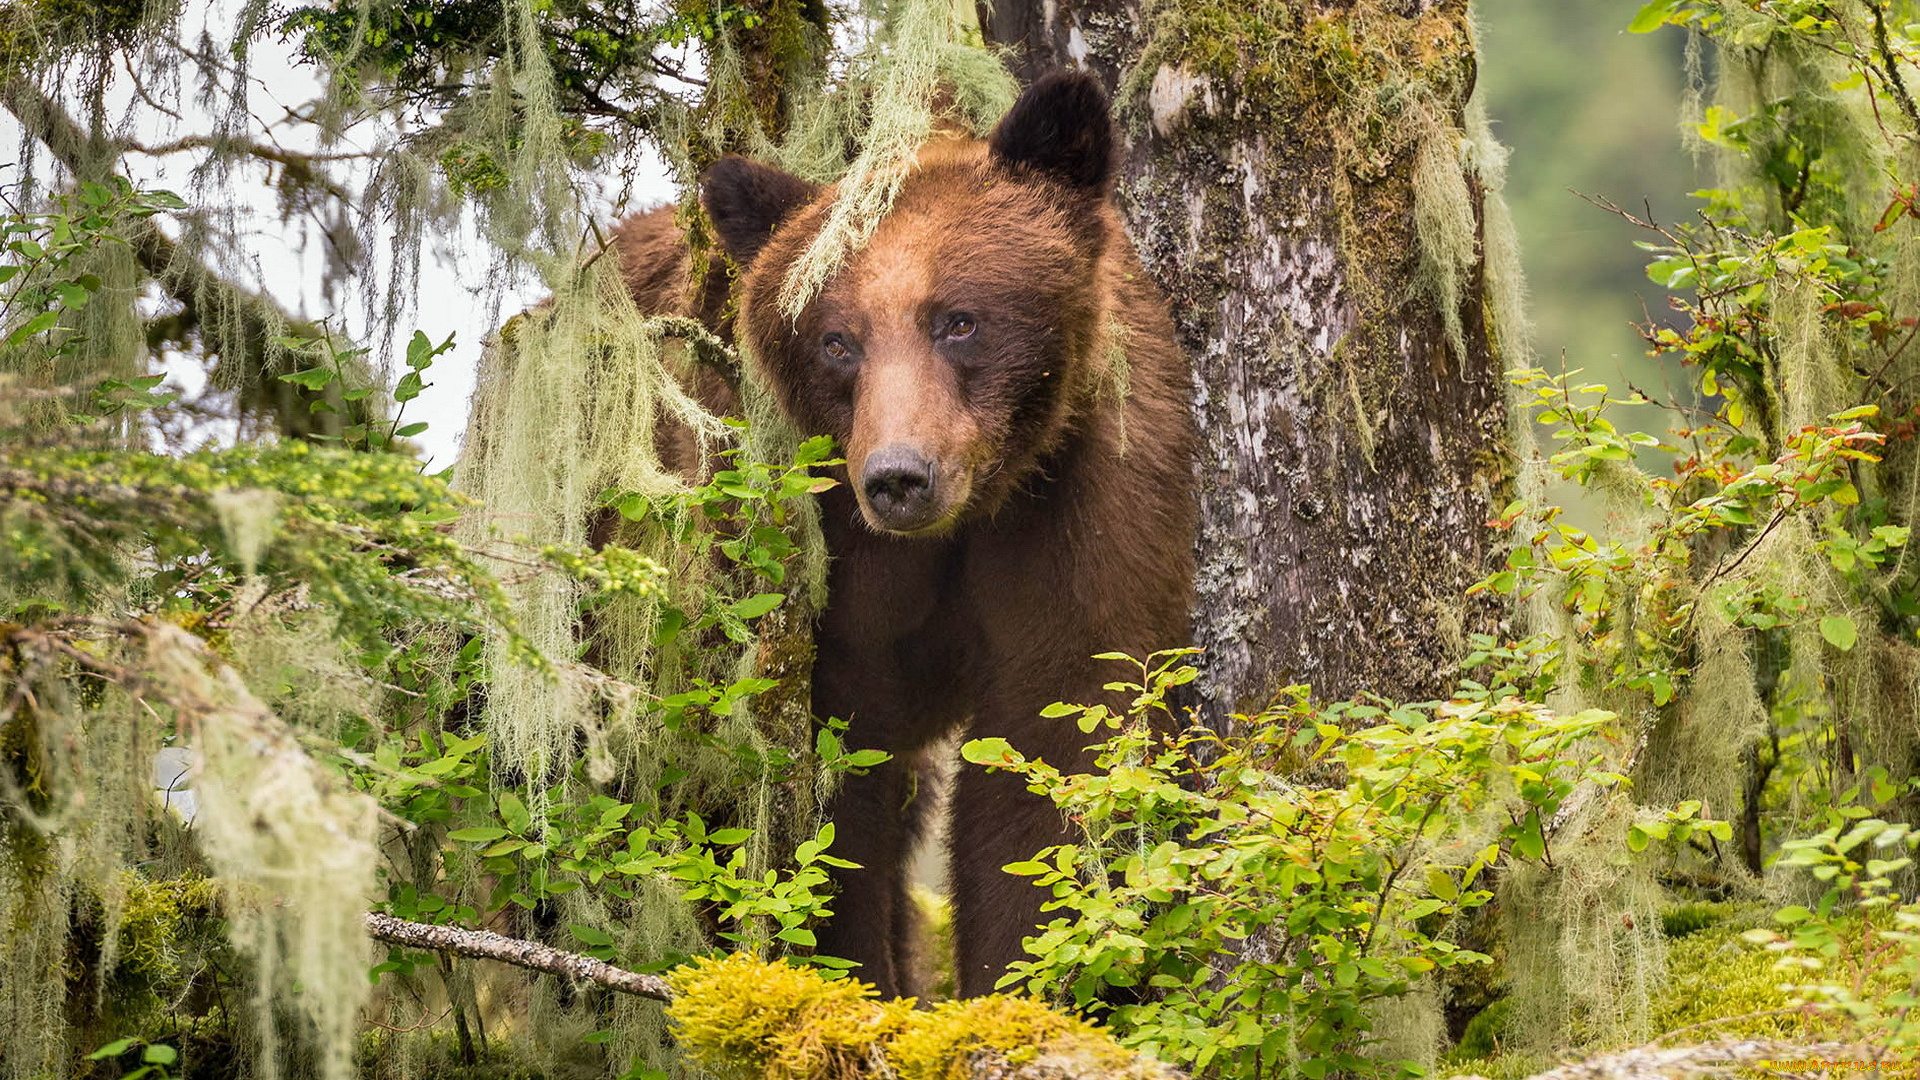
1543	714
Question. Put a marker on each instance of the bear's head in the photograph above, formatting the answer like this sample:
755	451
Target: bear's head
959	347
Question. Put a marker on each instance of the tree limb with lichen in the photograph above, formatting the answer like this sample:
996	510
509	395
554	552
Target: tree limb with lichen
487	945
235	322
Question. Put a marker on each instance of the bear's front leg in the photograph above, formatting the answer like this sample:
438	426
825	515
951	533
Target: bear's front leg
875	820
997	821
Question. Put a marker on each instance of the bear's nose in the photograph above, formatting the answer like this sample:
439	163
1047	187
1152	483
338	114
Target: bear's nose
898	481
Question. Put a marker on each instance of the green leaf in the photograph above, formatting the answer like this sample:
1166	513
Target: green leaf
755	606
419	351
814	450
730	836
160	1054
1839	631
410	430
409	387
514	813
41	322
590	935
798	936
73	294
113	1049
479	835
312	379
988	751
1531	843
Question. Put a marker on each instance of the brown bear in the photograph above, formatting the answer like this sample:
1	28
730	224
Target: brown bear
1005	514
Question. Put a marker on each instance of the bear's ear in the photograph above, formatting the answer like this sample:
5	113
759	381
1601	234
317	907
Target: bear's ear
1062	129
747	201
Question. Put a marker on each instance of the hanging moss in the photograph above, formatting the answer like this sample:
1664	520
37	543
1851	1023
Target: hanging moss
921	59
1585	952
294	850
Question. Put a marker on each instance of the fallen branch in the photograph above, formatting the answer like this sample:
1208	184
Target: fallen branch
487	945
1715	1061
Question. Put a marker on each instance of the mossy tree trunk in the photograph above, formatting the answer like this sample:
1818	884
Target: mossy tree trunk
1340	317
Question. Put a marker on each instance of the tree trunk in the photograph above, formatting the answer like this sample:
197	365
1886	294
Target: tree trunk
1307	183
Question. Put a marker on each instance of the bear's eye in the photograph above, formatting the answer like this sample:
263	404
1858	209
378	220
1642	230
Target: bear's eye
836	348
958	327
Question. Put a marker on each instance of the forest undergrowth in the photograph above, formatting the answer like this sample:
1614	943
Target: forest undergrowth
253	688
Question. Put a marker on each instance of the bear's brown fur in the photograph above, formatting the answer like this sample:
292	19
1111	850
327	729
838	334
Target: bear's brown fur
1005	514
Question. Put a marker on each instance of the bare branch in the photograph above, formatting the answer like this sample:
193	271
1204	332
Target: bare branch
278	155
487	945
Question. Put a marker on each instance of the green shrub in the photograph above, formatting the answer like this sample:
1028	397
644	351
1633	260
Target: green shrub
1326	898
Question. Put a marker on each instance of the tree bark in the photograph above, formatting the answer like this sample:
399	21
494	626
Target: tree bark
1351	452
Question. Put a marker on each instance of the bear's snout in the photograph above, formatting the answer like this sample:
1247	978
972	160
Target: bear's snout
900	486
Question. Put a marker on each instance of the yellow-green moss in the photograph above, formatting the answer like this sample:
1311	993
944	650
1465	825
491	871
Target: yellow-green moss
936	1045
152	922
1720	985
742	1018
1716	979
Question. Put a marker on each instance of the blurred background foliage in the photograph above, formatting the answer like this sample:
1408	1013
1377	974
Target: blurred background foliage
1586	107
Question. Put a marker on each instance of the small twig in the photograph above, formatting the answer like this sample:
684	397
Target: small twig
424	1023
1380	910
1721	1021
487	945
279	155
661	67
140	88
1895	83
1727	568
